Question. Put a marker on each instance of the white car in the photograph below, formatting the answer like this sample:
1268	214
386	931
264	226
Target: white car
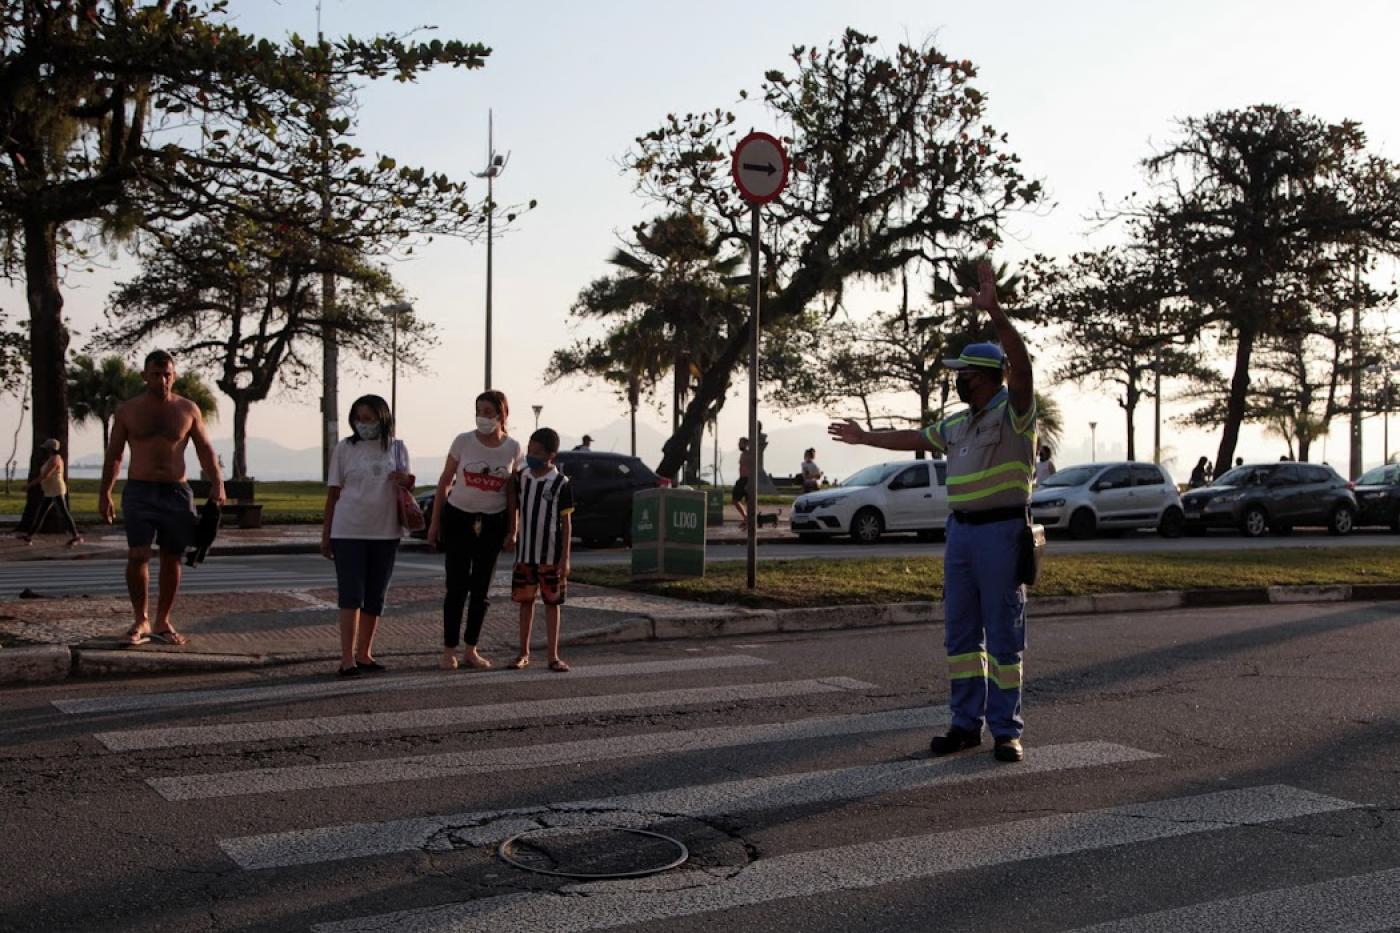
1102	496
901	496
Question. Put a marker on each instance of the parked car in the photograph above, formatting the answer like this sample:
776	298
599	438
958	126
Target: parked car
1378	497
603	487
1261	497
1109	496
901	496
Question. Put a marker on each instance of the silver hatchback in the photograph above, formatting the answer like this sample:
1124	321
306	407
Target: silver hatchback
1102	496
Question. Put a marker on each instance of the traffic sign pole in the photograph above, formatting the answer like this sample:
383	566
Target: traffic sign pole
760	169
755	293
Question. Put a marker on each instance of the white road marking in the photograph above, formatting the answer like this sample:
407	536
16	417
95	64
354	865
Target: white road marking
1359	904
492	760
133	739
358	840
182	699
826	872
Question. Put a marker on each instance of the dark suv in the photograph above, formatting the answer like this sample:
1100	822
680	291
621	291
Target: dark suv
1256	498
1378	495
603	487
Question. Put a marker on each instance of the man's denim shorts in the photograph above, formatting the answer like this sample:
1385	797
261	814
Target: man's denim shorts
158	513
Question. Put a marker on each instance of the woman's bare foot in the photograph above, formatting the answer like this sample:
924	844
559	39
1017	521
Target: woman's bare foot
476	662
449	659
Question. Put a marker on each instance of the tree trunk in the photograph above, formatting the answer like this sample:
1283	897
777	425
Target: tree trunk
106	434
1304	446
48	340
1239	392
707	401
240	438
1130	404
925	390
634	394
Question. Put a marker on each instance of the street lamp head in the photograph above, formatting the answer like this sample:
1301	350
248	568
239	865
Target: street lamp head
397	308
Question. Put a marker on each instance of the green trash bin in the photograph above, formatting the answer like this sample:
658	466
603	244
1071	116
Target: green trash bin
668	534
714	506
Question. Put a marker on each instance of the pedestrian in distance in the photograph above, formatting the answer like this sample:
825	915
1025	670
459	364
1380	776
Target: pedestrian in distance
1239	461
1044	467
811	473
361	529
740	494
1199	474
546	502
586	445
474	514
990	447
55	491
157	504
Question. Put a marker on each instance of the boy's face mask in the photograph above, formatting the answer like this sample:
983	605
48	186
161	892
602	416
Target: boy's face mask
536	463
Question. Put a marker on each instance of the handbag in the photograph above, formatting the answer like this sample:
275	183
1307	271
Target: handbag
1030	550
410	515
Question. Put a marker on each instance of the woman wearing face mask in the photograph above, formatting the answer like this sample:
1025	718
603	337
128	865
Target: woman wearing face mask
361	530
474	520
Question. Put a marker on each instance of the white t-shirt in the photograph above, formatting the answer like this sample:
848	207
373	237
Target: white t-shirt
368	505
810	470
482	473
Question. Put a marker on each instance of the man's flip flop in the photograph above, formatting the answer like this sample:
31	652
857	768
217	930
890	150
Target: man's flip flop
170	637
519	664
135	636
558	666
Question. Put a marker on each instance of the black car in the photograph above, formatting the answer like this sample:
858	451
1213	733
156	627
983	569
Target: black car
603	485
1378	497
1256	498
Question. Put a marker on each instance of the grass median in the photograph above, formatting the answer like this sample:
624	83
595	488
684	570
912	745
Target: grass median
283	502
790	584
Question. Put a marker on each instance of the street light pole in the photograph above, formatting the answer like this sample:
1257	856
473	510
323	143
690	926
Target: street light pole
495	165
538	409
394	310
1093	441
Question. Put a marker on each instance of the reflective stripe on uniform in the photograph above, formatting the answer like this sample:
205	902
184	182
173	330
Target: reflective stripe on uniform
1022	424
1005	676
1013	467
933	437
965	666
1022	484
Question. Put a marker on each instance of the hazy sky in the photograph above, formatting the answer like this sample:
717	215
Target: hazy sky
1084	90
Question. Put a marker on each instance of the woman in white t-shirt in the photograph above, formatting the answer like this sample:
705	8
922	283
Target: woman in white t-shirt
811	473
474	520
361	529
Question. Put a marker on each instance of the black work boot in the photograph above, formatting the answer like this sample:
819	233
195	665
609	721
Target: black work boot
1008	749
955	740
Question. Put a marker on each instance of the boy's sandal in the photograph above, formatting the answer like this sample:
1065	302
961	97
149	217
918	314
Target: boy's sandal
520	663
136	635
170	637
558	666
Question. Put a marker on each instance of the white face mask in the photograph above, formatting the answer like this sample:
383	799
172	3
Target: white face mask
368	430
486	425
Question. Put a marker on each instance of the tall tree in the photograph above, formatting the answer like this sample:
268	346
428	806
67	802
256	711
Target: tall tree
115	111
1253	206
892	163
1118	324
242	299
96	388
631	357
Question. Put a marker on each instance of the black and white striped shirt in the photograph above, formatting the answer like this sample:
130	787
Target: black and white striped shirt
544	501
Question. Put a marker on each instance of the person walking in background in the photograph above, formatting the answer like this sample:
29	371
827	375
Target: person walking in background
811	473
586	445
1199	474
990	447
1044	467
474	515
740	495
361	528
546	502
157	505
55	490
1239	461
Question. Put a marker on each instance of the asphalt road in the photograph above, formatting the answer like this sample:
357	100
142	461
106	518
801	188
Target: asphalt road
97	577
1219	770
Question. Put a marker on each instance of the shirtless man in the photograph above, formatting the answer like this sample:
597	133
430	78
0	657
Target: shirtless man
157	505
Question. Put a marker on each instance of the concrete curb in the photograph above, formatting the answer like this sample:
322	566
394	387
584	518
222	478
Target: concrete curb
53	663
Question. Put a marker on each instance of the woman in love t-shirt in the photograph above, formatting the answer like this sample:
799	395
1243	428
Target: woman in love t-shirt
473	521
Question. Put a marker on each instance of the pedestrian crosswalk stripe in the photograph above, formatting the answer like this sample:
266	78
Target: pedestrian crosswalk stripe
134	739
825	872
1360	904
485	761
358	840
182	699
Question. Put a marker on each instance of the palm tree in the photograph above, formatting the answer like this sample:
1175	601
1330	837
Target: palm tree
1049	420
96	389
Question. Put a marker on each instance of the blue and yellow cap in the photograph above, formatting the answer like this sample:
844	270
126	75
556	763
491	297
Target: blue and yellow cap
984	355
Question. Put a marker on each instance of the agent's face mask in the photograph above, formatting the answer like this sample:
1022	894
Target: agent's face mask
536	463
486	425
368	430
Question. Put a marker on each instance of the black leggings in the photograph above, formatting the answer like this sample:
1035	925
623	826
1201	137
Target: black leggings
472	551
61	504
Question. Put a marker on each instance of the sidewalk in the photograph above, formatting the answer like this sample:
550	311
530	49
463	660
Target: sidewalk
108	541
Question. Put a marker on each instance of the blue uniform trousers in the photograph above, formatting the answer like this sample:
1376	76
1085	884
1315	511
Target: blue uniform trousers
984	619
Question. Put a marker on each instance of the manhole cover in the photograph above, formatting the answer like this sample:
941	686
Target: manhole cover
593	852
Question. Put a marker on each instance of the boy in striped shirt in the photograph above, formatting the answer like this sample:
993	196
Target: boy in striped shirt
546	503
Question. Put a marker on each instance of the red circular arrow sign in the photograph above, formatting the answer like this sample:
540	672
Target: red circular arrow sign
760	168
